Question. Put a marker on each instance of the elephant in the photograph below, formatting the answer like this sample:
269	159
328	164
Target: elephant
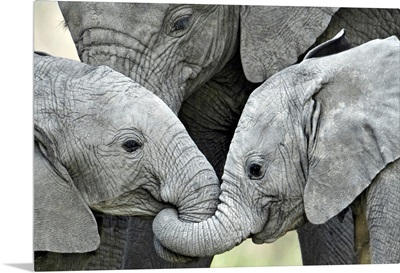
204	61
103	143
312	140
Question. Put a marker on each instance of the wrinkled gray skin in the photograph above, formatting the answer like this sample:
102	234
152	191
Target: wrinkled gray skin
311	139
204	61
105	143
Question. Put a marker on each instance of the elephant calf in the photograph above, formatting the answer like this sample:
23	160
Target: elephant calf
312	140
102	142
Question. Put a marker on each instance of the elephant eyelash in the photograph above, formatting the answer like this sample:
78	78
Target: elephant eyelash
64	25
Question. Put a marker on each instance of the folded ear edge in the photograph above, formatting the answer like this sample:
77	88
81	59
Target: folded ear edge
335	45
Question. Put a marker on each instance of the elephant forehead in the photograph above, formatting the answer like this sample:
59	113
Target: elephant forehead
260	116
104	88
264	123
270	107
270	99
249	144
132	107
105	99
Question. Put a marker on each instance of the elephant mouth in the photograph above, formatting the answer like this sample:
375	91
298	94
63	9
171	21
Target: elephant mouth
139	202
270	199
279	223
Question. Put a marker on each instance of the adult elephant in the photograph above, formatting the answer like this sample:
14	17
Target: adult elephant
315	138
204	61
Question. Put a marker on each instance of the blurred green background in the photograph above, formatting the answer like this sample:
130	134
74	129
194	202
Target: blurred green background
284	252
50	36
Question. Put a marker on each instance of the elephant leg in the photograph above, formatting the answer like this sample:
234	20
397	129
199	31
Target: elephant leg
328	244
383	217
211	113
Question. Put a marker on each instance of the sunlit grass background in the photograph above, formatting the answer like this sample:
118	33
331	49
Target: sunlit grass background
285	251
50	36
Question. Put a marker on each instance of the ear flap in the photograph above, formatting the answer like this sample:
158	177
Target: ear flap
358	128
335	45
62	220
272	38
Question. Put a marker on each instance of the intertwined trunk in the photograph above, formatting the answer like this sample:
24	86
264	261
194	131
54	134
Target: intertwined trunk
229	226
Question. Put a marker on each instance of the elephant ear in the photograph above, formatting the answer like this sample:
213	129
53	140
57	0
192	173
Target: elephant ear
272	38
357	134
335	45
62	220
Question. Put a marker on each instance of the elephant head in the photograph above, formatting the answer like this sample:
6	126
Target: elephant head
309	141
105	143
173	49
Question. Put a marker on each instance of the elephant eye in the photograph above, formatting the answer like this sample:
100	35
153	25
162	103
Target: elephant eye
255	170
178	21
182	23
131	145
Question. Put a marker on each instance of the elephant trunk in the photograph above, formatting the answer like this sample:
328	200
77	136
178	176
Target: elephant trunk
191	184
228	227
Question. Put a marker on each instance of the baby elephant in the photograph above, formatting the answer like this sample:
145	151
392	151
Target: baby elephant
103	142
318	135
312	140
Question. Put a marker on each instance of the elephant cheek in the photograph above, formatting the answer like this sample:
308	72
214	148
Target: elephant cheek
279	222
